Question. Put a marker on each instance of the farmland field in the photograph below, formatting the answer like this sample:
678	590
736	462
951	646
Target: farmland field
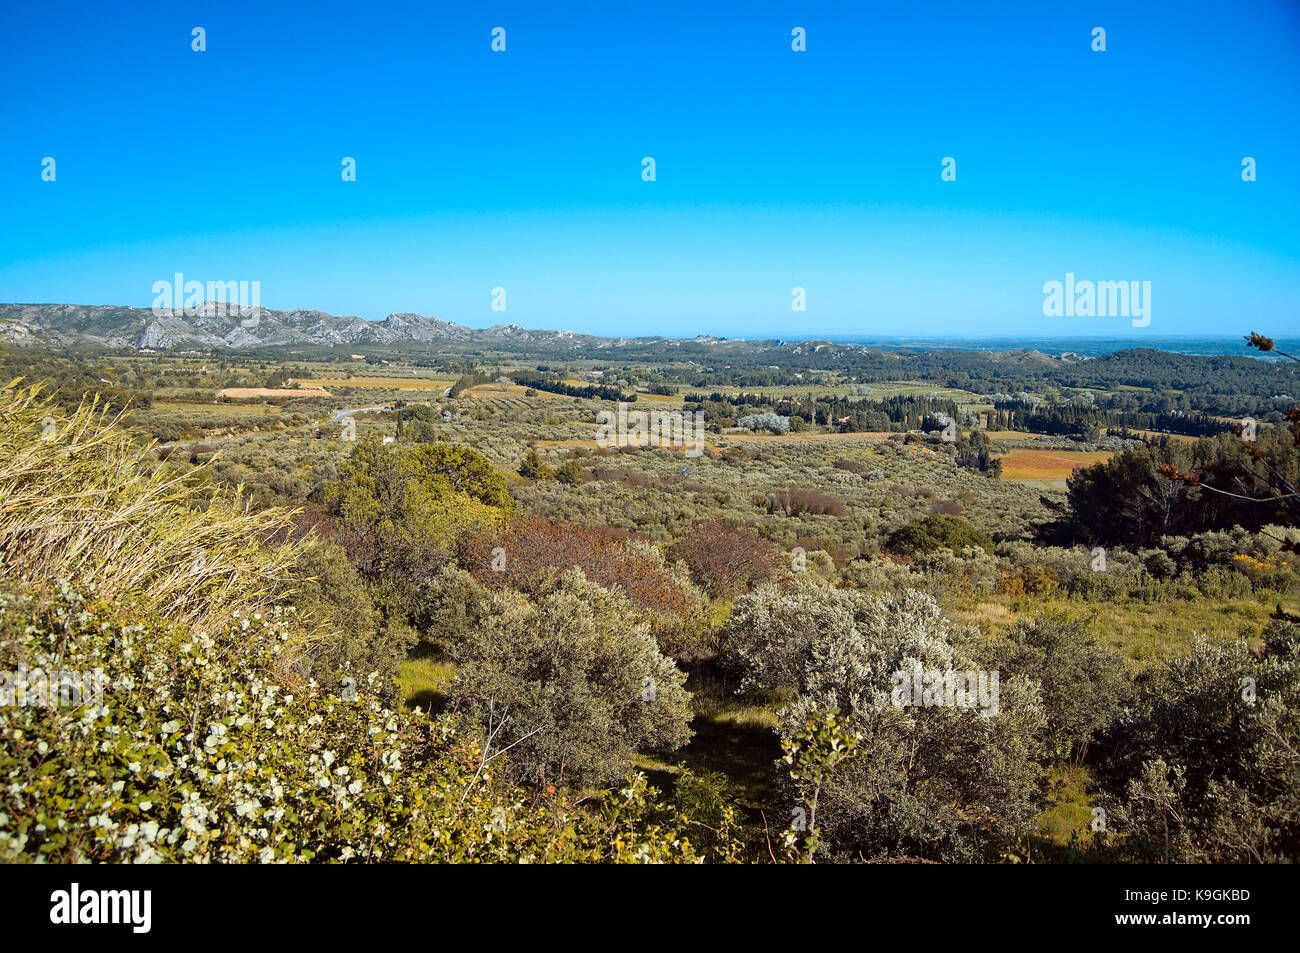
243	393
1026	465
377	383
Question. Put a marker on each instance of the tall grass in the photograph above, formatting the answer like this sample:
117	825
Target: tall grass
77	503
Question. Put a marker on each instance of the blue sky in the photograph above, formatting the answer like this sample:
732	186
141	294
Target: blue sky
775	169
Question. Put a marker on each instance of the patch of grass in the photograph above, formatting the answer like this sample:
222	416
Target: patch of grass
1067	811
1142	632
733	734
424	682
212	408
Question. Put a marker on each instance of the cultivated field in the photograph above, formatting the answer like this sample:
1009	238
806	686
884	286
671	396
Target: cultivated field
378	383
245	393
1027	465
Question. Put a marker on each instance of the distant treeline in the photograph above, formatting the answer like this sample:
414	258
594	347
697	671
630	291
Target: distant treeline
473	379
850	415
553	386
903	412
1086	421
1225	384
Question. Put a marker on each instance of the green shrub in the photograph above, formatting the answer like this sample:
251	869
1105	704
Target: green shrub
941	783
1206	766
1083	684
346	636
578	676
202	753
937	531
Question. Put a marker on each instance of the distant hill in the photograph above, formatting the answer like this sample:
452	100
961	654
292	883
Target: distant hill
218	326
720	361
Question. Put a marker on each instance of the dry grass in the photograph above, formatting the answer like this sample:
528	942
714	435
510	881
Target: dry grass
989	613
1176	437
77	504
496	390
1047	464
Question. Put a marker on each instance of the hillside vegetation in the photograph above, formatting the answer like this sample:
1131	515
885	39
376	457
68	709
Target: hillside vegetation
430	618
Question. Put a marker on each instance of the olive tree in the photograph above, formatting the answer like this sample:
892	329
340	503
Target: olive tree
936	781
1083	683
578	677
1206	766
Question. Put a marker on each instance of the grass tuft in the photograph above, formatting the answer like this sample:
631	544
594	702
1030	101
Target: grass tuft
76	503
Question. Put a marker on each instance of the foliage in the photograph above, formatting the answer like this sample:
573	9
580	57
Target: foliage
77	503
401	511
1197	537
533	467
1209	759
726	560
202	754
941	783
1140	495
768	421
812	753
348	637
529	547
796	501
579	678
1083	685
569	473
934	532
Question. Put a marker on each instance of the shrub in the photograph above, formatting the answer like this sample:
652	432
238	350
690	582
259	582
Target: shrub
939	783
201	753
460	469
401	511
346	636
529	548
77	504
937	531
725	560
768	421
534	468
1083	684
570	473
573	678
1206	766
795	502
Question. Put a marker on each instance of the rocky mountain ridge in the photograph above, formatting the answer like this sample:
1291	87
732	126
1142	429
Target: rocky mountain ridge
214	325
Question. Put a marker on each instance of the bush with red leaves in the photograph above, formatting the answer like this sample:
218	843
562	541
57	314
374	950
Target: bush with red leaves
530	546
725	560
796	501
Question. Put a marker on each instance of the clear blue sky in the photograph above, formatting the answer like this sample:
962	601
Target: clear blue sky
775	169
